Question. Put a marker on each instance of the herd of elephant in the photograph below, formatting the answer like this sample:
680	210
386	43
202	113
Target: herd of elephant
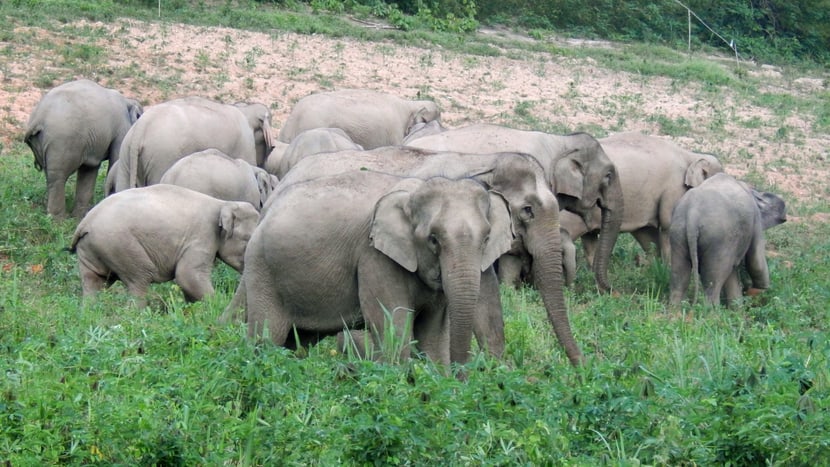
366	211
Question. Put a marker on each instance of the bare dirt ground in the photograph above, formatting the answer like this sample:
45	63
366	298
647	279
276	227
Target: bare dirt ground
154	62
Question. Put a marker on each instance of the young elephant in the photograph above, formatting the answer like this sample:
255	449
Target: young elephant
333	252
74	128
371	119
313	141
715	228
214	173
161	233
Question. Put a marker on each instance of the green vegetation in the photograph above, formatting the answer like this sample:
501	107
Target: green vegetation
104	383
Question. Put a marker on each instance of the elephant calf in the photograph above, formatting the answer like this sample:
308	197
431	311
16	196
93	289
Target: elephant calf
161	233
714	229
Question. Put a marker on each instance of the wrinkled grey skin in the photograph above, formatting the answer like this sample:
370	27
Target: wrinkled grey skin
214	173
371	119
161	233
174	129
715	228
533	207
313	141
576	167
74	128
424	129
416	247
654	174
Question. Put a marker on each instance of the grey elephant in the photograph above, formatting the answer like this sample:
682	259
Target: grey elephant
416	248
174	129
74	128
371	119
534	210
424	129
313	141
214	173
654	174
576	167
157	234
715	228
259	119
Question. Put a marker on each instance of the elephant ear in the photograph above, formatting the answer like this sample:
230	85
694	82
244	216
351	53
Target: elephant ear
698	171
568	178
265	184
501	230
773	208
392	230
134	110
265	125
227	215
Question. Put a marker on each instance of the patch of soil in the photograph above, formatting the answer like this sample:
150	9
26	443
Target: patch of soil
154	62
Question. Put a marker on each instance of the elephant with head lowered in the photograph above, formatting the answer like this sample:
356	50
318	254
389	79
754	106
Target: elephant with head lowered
407	248
533	208
174	129
654	174
576	167
74	128
214	173
371	119
313	141
716	228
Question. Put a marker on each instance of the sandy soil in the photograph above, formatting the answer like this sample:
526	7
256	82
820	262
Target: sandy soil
155	62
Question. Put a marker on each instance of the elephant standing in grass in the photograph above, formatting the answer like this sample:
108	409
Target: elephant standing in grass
313	141
74	128
576	167
371	119
344	250
654	174
161	233
715	228
174	129
216	174
533	208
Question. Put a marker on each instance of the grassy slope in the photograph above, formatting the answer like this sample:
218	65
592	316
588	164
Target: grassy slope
110	384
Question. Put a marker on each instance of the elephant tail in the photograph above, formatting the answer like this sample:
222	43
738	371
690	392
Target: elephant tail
79	234
32	139
692	238
133	153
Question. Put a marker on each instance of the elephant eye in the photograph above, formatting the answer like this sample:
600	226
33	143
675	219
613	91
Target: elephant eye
527	211
433	240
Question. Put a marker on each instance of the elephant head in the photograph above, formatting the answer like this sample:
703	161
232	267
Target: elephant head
266	183
447	232
259	119
134	110
423	112
237	221
700	169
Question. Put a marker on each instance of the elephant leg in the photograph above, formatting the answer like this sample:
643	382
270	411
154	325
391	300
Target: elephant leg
590	240
733	289
431	330
488	324
194	278
56	194
713	277
266	316
664	244
237	305
681	276
649	240
138	289
84	190
510	270
568	258
358	343
91	281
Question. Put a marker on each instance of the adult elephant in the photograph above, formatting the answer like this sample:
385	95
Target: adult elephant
174	129
534	211
409	247
371	119
214	173
313	141
654	174
74	128
576	167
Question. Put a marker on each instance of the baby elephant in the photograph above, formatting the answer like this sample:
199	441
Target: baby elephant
715	228
214	173
161	233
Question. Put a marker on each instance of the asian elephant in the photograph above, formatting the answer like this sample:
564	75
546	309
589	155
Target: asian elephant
715	228
339	251
423	129
157	234
173	129
313	141
519	178
74	128
654	173
576	167
371	119
214	173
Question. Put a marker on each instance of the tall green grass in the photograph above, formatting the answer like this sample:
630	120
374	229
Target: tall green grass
105	383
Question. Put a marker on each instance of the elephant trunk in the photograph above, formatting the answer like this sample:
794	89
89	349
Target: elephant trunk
544	245
461	279
612	216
